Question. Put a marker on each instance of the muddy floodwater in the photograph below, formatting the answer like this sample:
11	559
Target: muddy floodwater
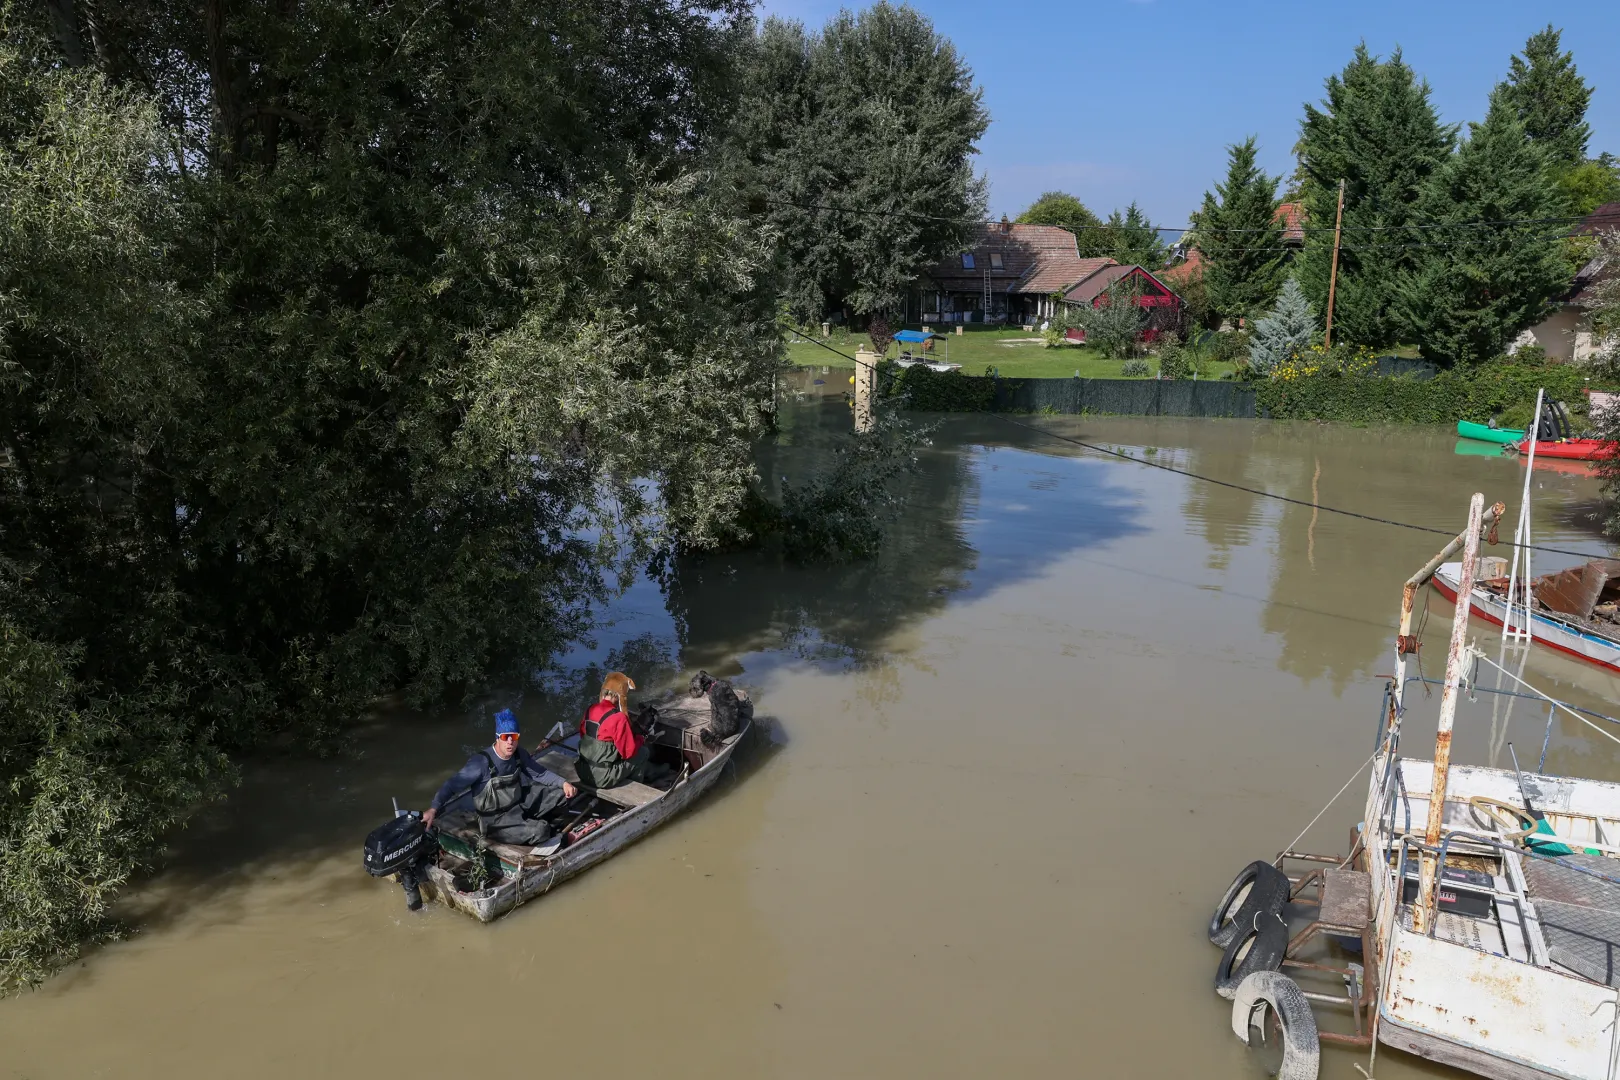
1003	774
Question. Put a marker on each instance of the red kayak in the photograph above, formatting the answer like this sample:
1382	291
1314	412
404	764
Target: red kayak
1570	449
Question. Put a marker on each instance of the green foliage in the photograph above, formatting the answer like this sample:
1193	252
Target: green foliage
1135	368
1131	239
1240	236
342	375
1465	302
1377	131
1590	184
1338	392
1287	331
1115	323
841	513
1067	212
877	110
925	390
1548	97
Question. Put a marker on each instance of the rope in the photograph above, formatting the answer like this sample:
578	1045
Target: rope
1544	697
1222	483
1335	798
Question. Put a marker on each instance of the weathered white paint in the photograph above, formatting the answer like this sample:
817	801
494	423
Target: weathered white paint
1523	1014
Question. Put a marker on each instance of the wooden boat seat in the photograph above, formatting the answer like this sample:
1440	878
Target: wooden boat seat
1346	899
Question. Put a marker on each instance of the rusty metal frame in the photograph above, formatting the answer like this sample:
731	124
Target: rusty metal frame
1361	1005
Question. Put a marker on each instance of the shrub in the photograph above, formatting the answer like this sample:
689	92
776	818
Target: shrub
1135	368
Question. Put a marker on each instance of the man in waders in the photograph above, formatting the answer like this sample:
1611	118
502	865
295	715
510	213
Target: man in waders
610	751
509	790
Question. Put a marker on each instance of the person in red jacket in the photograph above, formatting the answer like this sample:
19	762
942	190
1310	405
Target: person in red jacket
610	751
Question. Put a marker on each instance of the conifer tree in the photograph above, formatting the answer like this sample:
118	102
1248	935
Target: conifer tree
1240	237
1287	330
1463	302
1377	131
1132	239
1548	96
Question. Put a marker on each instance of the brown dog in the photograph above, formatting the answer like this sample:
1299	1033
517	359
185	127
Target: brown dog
616	688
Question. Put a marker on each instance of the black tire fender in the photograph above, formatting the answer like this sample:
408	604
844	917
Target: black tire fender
1259	889
1259	946
1302	1050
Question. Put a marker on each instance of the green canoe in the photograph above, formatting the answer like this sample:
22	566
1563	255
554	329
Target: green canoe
1470	430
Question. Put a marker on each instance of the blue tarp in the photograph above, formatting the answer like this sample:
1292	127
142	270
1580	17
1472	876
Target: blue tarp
913	336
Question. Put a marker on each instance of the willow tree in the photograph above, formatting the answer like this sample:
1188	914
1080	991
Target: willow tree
337	346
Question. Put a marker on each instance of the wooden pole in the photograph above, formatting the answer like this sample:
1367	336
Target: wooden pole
1333	275
1423	910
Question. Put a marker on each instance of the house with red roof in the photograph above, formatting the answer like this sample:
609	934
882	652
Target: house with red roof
1016	273
1566	334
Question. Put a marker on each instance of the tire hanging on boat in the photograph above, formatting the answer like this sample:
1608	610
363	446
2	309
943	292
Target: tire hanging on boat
1259	889
1259	946
1302	1049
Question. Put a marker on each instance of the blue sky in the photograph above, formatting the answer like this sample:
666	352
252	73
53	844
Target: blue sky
1114	100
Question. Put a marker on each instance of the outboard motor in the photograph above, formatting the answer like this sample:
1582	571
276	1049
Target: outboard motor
398	848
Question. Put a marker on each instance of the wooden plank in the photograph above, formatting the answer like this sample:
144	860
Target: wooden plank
630	795
1345	899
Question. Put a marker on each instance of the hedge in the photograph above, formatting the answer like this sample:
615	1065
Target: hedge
1477	394
927	390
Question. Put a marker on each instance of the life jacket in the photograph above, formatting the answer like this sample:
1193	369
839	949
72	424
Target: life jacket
592	724
500	793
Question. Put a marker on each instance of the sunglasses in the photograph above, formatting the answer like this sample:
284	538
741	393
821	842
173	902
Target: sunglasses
509	735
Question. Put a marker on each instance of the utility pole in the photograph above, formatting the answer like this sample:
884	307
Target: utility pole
1333	276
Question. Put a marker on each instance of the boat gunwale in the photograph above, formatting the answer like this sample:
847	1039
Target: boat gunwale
486	905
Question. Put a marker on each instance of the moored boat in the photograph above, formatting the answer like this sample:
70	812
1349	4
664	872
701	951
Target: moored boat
487	880
1586	630
1485	433
1570	449
1486	900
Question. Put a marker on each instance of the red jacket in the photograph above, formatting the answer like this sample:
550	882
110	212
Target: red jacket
613	726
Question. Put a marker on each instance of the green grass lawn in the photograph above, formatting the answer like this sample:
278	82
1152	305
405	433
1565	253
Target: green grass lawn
1016	353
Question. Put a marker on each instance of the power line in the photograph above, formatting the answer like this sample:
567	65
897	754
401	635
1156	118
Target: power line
1500	223
1222	483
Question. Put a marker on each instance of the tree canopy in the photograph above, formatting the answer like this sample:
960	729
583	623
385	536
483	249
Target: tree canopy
1465	301
1131	239
1240	236
1378	132
1548	97
857	142
1068	212
338	346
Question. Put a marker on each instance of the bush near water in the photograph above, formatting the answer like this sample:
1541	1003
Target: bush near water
1350	392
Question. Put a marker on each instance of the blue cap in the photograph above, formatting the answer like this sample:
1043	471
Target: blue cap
506	723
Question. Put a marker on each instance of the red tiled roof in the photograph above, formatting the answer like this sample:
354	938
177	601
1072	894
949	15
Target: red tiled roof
1191	266
1058	273
1036	259
1292	215
1094	286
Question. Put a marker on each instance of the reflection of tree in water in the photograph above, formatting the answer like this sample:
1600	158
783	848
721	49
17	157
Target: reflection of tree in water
729	604
1336	587
1227	516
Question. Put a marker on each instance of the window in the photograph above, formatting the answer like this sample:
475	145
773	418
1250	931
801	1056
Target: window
995	260
967	260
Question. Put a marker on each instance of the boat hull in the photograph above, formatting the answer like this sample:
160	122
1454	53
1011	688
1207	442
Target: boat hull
1582	645
487	905
1470	430
1570	449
